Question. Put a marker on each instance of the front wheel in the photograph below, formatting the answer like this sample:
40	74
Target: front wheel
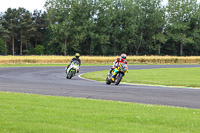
71	73
108	81
118	78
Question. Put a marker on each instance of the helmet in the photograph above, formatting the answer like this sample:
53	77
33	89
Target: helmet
77	55
123	56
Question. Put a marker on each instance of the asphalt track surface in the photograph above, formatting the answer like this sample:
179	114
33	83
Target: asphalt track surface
52	81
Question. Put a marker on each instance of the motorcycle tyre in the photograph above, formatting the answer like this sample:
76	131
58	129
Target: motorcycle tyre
108	81
71	74
119	80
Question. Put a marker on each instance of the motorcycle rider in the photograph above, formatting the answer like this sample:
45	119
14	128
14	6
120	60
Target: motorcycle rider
77	55
122	59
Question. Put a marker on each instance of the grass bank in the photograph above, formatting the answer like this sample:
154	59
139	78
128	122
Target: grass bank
187	77
35	113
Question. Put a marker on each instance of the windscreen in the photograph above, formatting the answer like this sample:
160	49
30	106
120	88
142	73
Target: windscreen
76	62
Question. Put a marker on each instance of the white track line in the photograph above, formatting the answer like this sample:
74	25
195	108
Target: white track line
139	84
87	79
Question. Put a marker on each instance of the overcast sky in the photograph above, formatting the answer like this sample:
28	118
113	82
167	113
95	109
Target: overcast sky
30	5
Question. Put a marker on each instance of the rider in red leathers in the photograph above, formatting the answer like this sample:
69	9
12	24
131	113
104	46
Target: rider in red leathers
119	60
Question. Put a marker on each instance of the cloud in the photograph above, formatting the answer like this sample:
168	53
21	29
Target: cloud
30	5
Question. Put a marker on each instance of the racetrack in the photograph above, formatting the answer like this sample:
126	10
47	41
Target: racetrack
52	81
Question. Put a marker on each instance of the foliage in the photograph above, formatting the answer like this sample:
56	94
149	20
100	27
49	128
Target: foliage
2	47
39	50
105	27
180	14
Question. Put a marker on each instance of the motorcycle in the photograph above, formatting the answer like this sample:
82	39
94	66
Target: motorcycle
72	70
121	69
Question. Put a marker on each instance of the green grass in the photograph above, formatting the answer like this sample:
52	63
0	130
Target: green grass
187	77
23	113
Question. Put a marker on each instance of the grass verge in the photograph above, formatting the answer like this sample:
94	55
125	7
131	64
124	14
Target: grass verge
35	113
186	77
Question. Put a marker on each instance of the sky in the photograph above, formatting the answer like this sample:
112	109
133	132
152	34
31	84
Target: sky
30	5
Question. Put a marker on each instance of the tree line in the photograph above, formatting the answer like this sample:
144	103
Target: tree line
103	27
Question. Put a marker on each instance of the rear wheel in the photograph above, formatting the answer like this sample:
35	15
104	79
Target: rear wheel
118	78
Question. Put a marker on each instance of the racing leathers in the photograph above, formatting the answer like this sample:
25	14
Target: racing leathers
73	59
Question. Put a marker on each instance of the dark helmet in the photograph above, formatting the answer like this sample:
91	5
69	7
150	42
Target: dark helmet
123	56
77	55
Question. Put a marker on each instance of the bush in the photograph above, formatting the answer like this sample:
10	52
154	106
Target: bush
39	50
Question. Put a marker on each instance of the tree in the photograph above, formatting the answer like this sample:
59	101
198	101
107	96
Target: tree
25	27
129	27
142	13
195	29
103	27
60	20
179	16
2	47
39	26
11	25
100	37
159	38
4	33
159	24
39	50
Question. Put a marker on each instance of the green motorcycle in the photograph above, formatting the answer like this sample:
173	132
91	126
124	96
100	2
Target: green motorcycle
72	70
